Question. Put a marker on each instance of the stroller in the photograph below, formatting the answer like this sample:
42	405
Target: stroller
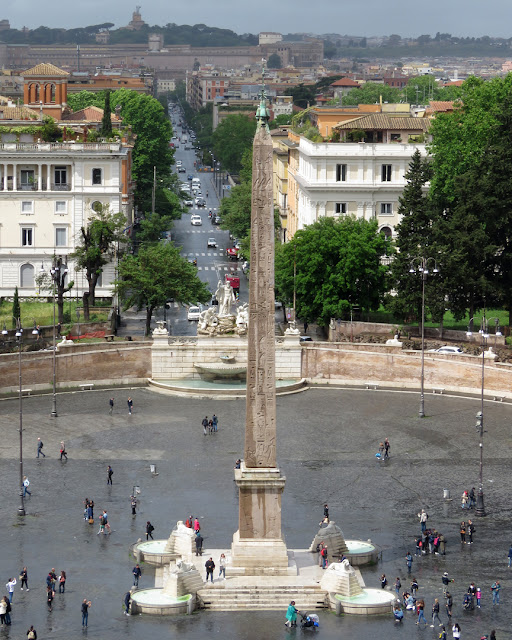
468	602
309	621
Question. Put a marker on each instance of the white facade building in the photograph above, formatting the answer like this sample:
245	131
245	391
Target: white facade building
48	191
361	179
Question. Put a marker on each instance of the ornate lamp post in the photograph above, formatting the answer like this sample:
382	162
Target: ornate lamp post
420	265
19	336
484	333
58	272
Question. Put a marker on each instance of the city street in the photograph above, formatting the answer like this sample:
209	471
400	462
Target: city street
327	441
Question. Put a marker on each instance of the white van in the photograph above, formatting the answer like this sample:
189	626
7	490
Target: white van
196	181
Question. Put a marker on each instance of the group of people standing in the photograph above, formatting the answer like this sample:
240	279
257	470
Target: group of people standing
210	425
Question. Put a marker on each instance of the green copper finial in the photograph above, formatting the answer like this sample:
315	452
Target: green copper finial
262	113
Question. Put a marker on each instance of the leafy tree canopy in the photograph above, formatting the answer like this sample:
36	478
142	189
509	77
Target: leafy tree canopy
371	93
231	138
274	61
337	265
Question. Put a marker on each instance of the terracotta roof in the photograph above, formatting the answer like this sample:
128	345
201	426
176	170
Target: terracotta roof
17	113
45	69
455	83
436	106
90	114
345	82
378	121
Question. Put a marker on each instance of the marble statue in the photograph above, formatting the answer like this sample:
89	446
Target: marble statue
226	298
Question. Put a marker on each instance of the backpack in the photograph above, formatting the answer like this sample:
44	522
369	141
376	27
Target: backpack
31	635
151	528
324	552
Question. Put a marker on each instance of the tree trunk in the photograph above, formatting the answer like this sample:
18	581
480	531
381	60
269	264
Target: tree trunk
441	328
60	307
89	296
149	314
85	298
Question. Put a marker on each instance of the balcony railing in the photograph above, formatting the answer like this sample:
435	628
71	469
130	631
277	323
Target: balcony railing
59	187
58	147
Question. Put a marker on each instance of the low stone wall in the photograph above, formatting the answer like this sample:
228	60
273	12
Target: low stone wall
108	363
401	369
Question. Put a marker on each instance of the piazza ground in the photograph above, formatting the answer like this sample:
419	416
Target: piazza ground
327	441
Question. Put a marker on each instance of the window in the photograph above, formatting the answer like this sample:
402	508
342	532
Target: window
26	275
341	172
340	207
386	173
27	176
27	237
386	208
96	176
60	237
61	206
97	206
61	176
27	206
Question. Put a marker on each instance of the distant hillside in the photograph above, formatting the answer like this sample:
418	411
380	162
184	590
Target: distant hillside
199	35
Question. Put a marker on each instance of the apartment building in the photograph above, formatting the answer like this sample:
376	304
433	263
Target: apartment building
49	190
363	178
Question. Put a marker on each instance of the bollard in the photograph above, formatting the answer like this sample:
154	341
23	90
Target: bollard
446	494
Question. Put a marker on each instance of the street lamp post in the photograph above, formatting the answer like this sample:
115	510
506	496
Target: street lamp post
58	272
420	265
19	336
484	333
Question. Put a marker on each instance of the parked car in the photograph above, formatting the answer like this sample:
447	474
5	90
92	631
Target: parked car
216	220
193	313
196	220
305	339
212	243
447	349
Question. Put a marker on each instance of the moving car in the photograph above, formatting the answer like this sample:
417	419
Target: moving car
447	349
196	220
193	313
212	243
190	176
305	339
232	253
216	220
182	170
178	163
188	202
201	202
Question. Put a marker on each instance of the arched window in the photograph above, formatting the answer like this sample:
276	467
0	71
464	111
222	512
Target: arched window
26	276
49	93
388	236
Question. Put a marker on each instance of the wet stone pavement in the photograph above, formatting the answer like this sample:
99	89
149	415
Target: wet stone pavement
327	441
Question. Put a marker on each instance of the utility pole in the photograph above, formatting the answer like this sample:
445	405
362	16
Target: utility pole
154	191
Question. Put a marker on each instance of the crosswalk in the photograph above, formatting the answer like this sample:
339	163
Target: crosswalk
219	268
208	231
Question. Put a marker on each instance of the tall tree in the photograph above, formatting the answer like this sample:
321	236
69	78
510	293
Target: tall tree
106	122
158	272
231	138
371	93
98	241
415	238
16	311
332	264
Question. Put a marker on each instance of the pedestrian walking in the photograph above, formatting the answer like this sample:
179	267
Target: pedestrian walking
493	635
197	526
62	582
3	611
10	588
90	511
102	526
26	485
215	421
24	578
456	631
110	473
49	597
133	504
306	325
449	605
111	406
291	615
210	426
149	530
398	586
199	544
383	581
222	566
63	450
414	587
463	532
387	448
210	567
442	635
421	615
423	516
470	531
136	575
325	519
324	556
510	556
59	329
446	581
127	599
408	560
8	610
86	605
105	521
31	633
40	448
419	546
472	501
130	405
205	424
435	613
495	589
478	597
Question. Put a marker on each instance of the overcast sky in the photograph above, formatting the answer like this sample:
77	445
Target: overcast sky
355	17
